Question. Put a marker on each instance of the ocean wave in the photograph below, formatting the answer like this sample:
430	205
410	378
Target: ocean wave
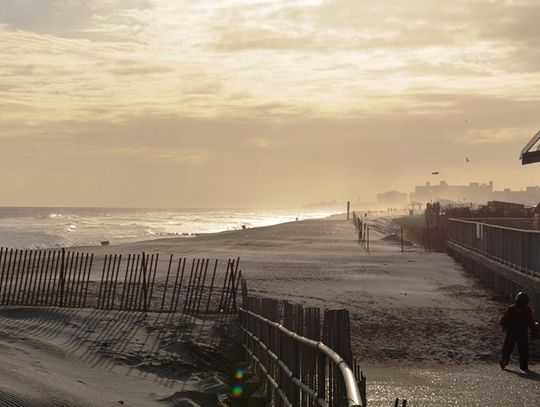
65	227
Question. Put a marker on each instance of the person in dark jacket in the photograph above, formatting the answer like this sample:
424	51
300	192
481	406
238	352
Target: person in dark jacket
517	320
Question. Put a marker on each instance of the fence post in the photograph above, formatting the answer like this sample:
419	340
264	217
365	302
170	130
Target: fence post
166	282
211	286
401	230
144	288
101	282
62	271
4	286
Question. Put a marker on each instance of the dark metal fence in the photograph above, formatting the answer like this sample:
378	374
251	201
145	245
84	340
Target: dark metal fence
135	282
303	354
479	246
513	223
515	247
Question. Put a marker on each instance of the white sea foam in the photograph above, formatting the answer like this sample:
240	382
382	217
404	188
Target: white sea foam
55	227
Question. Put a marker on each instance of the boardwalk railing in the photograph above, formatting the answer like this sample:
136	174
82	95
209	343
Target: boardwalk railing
501	240
301	364
481	246
137	282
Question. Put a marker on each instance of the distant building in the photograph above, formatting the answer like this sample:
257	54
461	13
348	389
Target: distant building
530	196
474	192
392	198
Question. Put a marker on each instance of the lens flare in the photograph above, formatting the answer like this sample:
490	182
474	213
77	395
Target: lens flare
239	374
237	391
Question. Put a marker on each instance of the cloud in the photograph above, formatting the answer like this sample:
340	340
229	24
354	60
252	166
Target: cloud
303	93
135	67
66	18
494	136
345	25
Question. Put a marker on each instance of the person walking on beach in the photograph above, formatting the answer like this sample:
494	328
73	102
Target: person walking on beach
516	321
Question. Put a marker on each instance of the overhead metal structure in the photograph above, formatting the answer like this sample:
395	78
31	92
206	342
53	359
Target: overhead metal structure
528	155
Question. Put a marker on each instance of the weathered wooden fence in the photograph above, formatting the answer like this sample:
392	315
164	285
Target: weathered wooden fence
135	282
362	228
302	353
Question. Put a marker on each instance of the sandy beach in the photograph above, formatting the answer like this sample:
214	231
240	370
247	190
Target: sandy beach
421	328
156	155
61	357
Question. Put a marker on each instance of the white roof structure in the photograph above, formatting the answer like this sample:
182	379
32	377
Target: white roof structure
528	156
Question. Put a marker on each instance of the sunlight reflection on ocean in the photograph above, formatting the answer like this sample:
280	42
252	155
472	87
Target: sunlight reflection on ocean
64	227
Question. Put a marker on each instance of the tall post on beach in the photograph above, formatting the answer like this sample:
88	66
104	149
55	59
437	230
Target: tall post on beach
348	209
368	239
401	239
428	238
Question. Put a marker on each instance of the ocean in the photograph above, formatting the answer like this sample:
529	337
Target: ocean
33	228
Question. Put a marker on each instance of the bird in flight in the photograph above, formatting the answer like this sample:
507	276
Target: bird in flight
435	173
467	160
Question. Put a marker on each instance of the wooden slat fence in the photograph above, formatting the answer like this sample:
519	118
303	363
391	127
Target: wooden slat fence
362	228
296	373
137	282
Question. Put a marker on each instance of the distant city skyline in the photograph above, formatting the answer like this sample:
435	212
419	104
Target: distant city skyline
474	192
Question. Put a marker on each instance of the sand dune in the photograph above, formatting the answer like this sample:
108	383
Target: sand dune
59	357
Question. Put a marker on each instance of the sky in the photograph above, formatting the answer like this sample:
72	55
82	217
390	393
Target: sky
238	103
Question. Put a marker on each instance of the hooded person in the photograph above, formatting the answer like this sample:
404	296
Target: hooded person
516	322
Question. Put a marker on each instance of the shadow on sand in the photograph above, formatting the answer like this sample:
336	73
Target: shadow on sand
530	375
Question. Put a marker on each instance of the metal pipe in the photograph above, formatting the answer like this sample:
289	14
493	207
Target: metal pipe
483	222
288	372
351	386
271	379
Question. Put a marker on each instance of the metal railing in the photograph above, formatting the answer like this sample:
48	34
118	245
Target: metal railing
512	223
509	244
300	371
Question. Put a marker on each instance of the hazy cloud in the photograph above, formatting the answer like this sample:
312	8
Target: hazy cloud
493	136
248	101
67	18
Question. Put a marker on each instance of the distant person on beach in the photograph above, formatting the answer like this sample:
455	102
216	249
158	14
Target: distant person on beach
517	320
